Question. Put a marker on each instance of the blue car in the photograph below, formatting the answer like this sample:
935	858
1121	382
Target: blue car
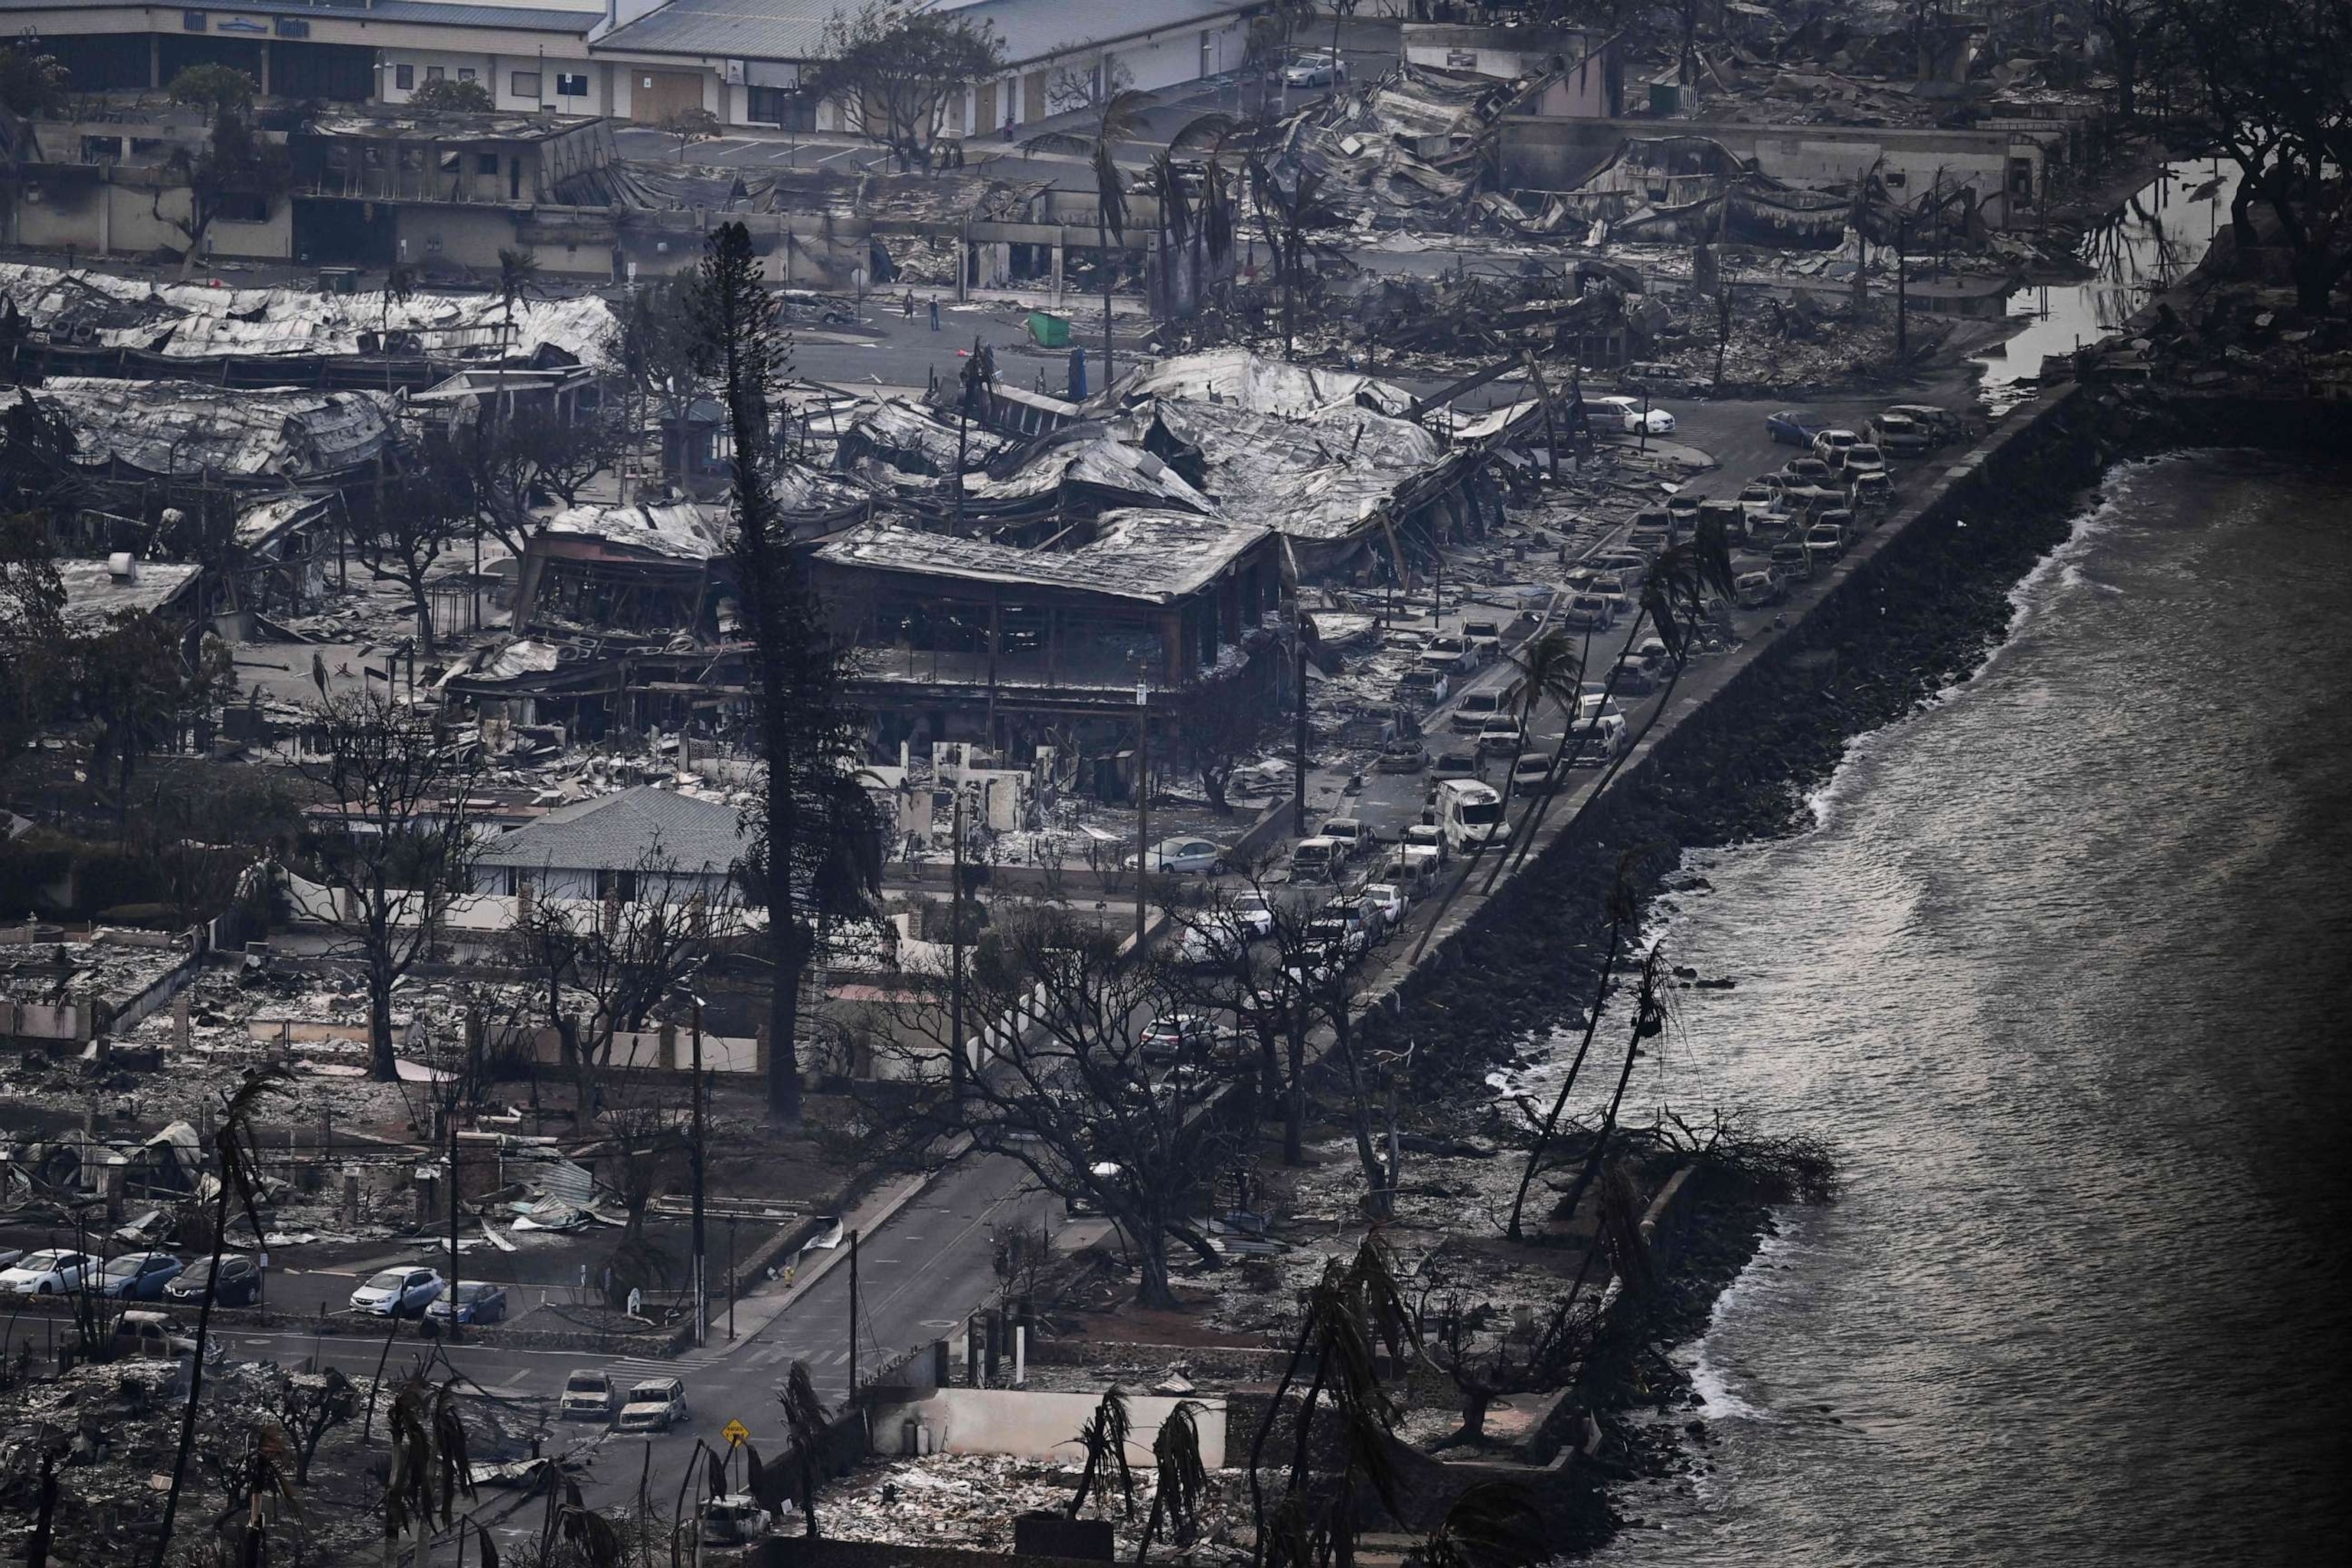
1794	425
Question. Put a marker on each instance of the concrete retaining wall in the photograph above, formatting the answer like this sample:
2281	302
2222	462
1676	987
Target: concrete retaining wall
1038	1425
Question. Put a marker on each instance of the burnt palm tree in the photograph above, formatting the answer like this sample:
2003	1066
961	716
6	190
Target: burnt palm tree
1118	118
1492	1524
1649	1022
1288	217
1357	1307
429	1470
1623	909
240	1181
1674	600
1181	1480
1103	1437
804	1418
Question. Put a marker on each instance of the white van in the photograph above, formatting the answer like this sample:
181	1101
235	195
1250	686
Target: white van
1468	813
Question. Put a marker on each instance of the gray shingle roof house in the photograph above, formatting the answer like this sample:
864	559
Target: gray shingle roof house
593	847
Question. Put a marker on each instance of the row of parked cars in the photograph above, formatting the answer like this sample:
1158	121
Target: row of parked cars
1809	513
235	1282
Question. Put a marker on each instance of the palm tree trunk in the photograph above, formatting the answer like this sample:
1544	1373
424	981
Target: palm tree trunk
195	1374
1103	235
1560	1101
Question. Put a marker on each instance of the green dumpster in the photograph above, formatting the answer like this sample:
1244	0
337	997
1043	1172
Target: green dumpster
1047	330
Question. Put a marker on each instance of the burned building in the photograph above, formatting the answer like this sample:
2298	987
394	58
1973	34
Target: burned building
963	638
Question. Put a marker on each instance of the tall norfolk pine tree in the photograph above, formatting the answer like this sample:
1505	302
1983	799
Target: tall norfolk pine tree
814	843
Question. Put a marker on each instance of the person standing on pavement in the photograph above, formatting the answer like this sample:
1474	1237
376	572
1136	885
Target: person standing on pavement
935	313
910	304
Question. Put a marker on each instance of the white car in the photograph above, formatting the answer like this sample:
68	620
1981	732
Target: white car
1185	856
1390	900
1316	68
398	1292
1617	411
50	1273
654	1406
1253	912
1215	942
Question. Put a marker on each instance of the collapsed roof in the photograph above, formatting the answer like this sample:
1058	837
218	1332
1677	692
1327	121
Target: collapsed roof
1157	557
185	321
1403	147
160	429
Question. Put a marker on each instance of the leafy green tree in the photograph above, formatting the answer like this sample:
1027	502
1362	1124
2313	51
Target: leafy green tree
236	167
30	83
895	71
449	93
689	126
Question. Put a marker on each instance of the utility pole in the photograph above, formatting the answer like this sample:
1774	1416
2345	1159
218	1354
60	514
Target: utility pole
452	1114
701	1270
731	1276
853	1314
1143	804
1902	289
955	942
1298	676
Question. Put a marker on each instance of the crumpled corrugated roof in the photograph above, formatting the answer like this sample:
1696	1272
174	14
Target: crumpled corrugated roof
1235	375
187	320
684	531
186	427
1088	455
1320	477
94	597
1136	553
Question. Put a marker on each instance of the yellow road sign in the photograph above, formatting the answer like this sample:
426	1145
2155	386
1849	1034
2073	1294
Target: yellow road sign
736	1433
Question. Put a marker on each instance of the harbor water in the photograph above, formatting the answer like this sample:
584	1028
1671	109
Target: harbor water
2061	971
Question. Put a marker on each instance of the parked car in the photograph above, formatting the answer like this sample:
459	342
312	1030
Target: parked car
588	1395
140	1275
49	1272
1862	457
1318	67
1824	542
1254	913
1626	416
1485	640
1844	520
1501	737
735	1520
398	1292
654	1405
1753	590
1634	678
1317	859
1453	765
1448	654
1350	833
1758	497
1830	446
1530	771
1597	741
150	1336
236	1283
9	1255
1426	835
1179	1037
1941	424
1185	857
1873	492
1629	567
1423	686
1793	426
1811	471
1592	612
478	1302
1389	900
1477	706
1792	560
1402	757
1900	436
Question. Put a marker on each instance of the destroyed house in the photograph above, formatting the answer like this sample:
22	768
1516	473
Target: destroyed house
643	843
646	570
163	429
947	628
1675	189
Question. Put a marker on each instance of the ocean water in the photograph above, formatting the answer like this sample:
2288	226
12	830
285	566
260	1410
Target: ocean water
2063	969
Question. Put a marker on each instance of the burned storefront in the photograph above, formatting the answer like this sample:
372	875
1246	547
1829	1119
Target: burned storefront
961	638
